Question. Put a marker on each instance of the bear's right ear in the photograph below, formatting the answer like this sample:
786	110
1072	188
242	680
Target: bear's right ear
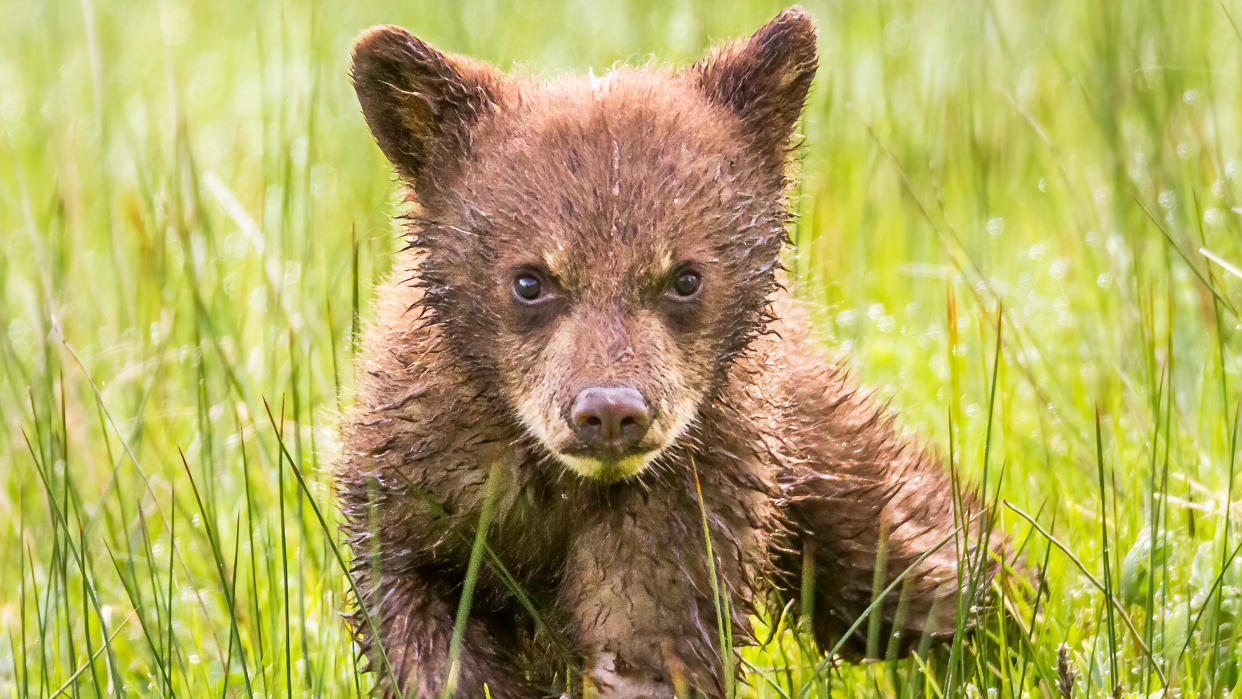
417	101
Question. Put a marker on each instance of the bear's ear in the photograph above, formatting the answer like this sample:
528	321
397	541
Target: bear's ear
416	100
764	79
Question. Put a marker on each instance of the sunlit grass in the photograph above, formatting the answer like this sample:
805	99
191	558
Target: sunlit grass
1018	220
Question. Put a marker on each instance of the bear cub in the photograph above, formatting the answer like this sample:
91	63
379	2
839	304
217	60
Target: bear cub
587	368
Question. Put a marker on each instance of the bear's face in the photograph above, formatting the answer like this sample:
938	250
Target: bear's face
597	250
624	241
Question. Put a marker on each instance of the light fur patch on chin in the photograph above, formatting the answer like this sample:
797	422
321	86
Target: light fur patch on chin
608	471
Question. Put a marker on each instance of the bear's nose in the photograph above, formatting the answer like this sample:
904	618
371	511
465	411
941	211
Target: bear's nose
612	418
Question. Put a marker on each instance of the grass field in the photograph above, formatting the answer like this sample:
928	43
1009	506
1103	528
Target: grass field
1018	220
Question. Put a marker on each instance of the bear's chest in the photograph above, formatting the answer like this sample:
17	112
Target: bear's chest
531	525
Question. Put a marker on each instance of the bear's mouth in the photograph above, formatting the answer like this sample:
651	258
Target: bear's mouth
608	468
607	463
612	465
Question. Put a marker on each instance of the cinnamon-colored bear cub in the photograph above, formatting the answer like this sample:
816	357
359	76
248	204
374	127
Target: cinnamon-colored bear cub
588	353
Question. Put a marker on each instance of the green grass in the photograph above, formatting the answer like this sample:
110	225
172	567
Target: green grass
192	216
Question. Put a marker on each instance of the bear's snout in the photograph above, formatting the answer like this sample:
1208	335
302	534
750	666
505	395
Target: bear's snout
610	419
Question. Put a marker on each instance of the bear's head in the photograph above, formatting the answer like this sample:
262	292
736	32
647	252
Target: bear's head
598	250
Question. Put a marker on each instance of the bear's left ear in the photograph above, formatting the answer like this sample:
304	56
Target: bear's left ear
420	103
764	79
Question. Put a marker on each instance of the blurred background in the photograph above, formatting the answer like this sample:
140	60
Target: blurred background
1018	220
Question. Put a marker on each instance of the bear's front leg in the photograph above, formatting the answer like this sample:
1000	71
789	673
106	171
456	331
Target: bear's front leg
414	616
637	587
869	505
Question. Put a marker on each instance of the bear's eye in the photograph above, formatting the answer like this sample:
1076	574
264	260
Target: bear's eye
687	283
526	287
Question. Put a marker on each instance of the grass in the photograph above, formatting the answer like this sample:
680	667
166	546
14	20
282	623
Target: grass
1017	219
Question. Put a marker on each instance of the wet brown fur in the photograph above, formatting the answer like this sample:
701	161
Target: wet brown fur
606	185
